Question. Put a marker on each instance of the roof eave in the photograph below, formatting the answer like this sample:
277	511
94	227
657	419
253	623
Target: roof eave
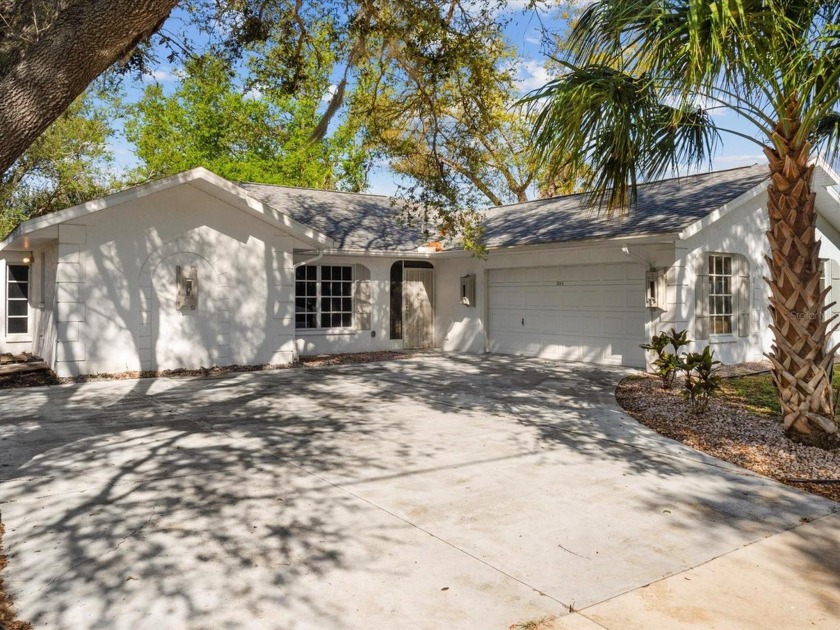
716	215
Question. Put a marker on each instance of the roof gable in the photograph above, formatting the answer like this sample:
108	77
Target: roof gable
199	178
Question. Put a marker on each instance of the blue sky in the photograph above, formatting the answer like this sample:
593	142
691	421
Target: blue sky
523	31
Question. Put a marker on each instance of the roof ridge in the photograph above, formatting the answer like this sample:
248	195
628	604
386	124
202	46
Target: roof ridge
311	189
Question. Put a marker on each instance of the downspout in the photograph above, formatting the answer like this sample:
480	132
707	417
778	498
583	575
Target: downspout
308	261
648	266
626	251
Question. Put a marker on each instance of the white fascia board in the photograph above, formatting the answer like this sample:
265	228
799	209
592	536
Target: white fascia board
393	253
656	238
827	171
192	176
663	238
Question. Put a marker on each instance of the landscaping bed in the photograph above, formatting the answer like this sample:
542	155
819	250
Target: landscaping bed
741	426
8	619
48	377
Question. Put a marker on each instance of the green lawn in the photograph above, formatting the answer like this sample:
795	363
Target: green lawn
757	394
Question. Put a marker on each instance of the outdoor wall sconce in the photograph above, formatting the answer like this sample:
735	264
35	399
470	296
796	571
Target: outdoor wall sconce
186	279
468	290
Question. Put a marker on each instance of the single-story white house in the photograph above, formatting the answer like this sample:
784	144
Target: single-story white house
194	270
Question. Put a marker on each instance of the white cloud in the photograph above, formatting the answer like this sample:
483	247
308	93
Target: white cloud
161	75
533	37
253	94
531	75
331	90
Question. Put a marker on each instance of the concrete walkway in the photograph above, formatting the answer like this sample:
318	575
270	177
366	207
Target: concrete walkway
437	492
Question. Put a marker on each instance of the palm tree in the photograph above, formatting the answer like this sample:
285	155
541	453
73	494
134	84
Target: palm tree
636	102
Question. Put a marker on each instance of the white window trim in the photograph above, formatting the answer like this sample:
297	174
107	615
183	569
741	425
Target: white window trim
333	330
722	337
16	337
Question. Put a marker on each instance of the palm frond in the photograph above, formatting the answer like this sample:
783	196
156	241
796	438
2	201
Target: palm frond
827	136
613	130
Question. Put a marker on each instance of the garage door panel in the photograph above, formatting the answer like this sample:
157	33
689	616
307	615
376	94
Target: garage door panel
617	298
590	298
591	313
500	297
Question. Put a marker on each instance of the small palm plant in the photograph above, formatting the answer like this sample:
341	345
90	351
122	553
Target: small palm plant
701	379
666	363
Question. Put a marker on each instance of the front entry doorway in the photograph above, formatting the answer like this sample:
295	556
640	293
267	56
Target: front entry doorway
419	307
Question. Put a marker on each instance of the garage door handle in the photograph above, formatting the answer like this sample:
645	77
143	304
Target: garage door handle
523	321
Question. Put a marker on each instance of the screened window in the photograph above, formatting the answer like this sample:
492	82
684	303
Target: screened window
17	299
720	294
324	296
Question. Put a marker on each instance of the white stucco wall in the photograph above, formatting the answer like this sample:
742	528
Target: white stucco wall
116	287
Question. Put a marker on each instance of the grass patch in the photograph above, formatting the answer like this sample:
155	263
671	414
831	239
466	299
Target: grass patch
546	623
754	393
757	393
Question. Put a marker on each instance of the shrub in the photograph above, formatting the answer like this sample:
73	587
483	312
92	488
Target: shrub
667	364
701	379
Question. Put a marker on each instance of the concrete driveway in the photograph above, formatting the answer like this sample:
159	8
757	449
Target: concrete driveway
436	492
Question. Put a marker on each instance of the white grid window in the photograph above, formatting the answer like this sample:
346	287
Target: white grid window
17	299
720	294
324	296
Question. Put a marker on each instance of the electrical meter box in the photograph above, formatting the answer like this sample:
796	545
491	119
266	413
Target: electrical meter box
186	279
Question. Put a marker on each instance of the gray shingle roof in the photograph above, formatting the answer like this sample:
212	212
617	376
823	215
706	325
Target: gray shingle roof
663	207
363	222
354	221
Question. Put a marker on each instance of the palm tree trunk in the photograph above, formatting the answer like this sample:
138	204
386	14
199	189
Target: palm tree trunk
801	361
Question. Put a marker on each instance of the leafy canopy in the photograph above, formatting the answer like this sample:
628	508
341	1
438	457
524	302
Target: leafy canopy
68	164
428	85
260	134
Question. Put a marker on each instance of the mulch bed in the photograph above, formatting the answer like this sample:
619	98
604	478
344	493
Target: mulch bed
8	619
48	377
731	433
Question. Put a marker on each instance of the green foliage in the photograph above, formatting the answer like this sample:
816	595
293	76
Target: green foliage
427	86
70	163
643	80
667	364
700	379
259	135
455	136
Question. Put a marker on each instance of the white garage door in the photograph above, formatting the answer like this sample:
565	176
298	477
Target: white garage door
591	313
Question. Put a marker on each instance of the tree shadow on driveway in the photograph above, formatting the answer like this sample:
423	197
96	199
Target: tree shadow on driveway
342	493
